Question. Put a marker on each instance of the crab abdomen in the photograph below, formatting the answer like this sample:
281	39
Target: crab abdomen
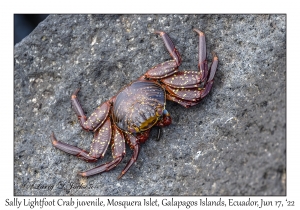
138	106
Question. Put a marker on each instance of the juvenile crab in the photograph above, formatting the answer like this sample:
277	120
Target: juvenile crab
130	114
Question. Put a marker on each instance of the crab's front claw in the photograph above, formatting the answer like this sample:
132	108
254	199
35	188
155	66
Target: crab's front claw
165	120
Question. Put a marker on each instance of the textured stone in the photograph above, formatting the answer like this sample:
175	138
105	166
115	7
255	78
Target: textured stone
233	143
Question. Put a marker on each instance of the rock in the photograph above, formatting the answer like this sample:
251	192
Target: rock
233	143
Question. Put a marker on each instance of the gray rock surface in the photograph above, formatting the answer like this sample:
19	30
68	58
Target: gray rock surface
233	143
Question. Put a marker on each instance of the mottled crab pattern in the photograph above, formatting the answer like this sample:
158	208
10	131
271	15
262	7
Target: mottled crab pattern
130	115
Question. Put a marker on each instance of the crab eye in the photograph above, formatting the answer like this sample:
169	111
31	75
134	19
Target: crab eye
166	113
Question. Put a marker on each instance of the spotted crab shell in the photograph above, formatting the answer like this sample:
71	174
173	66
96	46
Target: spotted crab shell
136	106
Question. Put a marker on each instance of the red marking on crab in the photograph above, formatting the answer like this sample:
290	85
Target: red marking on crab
129	116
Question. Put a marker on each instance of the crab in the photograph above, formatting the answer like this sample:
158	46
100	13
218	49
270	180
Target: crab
129	116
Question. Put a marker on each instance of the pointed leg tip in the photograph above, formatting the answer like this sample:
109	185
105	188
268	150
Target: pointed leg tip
215	57
74	95
161	33
120	176
199	32
82	174
53	139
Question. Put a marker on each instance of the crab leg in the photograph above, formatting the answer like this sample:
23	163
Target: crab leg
118	151
210	77
190	94
101	140
213	68
134	144
99	144
72	150
167	68
188	97
162	70
183	79
96	119
182	102
170	46
185	87
202	65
